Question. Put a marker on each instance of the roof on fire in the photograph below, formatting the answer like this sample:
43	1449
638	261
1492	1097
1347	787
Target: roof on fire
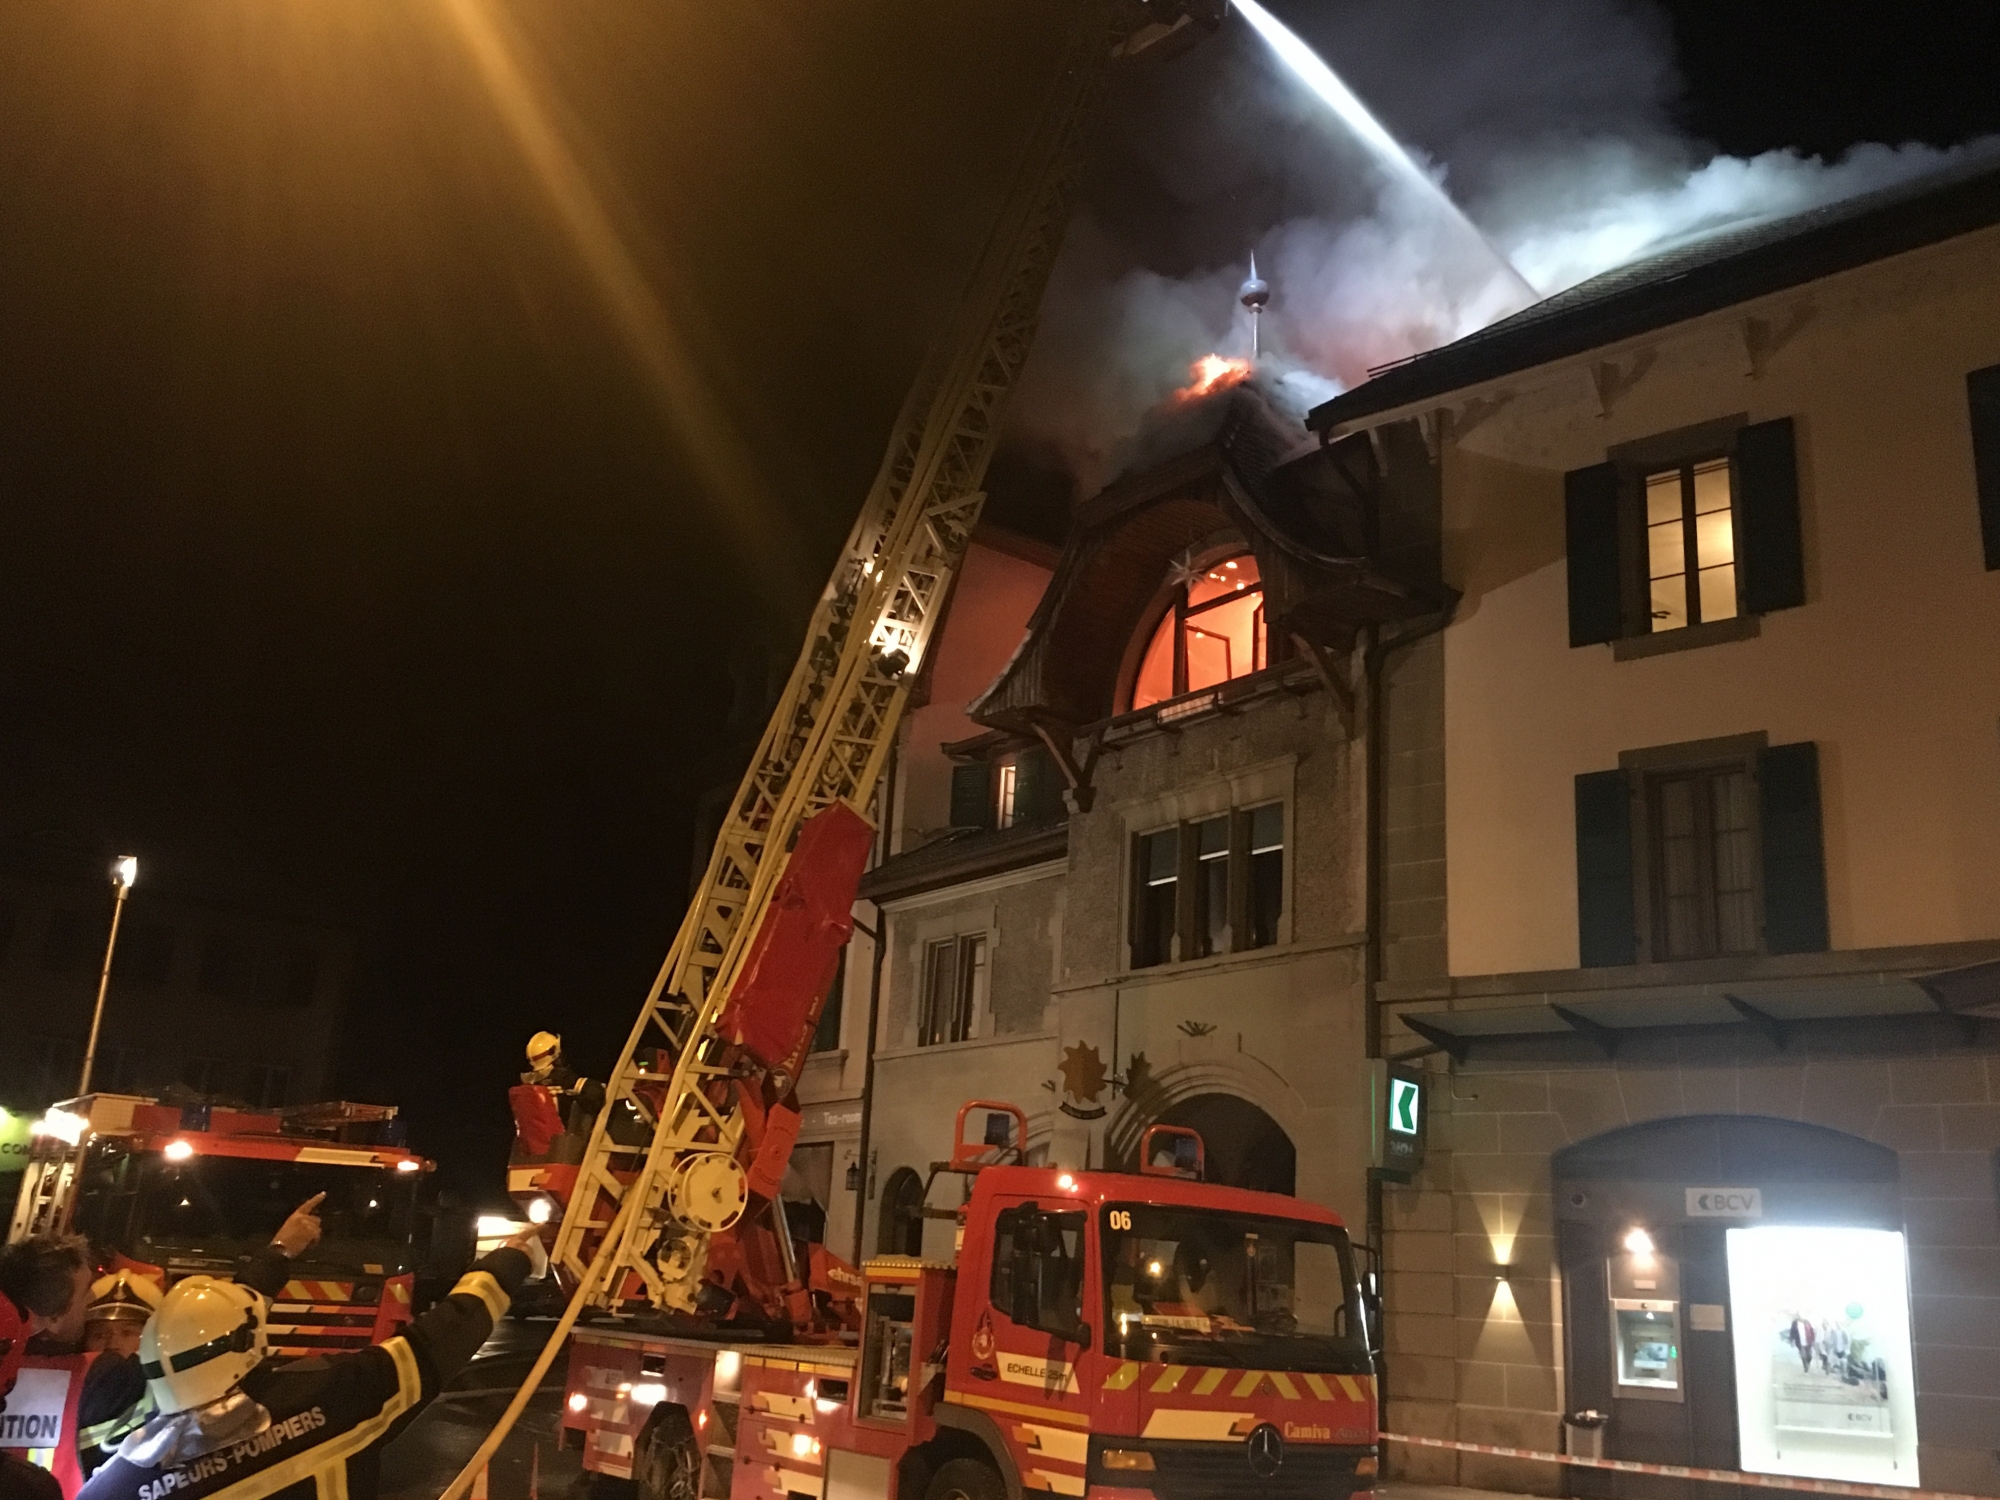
1686	281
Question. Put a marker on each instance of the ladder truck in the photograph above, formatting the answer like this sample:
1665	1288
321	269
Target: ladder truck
1095	1332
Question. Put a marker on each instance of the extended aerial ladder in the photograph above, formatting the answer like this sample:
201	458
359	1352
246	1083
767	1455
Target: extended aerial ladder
698	1112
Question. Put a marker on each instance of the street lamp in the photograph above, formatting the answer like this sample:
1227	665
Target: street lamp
124	874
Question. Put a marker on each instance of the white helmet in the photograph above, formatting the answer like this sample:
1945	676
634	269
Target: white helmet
206	1337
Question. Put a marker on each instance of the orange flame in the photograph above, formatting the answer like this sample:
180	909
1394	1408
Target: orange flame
1212	373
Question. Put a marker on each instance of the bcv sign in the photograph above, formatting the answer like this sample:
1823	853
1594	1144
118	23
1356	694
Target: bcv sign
1725	1203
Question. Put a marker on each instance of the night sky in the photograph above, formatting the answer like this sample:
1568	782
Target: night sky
415	415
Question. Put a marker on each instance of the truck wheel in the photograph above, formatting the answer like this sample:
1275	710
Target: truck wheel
966	1479
666	1464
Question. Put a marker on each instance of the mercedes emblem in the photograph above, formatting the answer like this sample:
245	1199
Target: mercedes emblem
1265	1448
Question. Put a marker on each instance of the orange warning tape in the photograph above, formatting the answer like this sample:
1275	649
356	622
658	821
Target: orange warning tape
1675	1471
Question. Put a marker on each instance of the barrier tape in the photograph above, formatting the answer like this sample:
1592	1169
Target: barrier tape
1675	1471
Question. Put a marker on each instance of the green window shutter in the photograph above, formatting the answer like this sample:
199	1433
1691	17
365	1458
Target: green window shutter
972	795
1038	787
1794	850
1767	517
1982	390
1596	595
1606	931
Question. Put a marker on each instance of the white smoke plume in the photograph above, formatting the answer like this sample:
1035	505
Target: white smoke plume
1575	174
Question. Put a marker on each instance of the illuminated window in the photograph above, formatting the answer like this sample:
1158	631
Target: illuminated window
1213	631
1009	783
1690	545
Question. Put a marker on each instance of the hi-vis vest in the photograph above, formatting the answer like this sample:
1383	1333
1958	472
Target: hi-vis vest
329	1415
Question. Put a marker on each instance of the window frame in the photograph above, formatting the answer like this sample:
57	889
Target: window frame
970	992
1683	448
1170	603
1639	483
1645	771
1188	939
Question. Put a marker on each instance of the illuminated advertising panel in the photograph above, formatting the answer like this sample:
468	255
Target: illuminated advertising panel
1821	1323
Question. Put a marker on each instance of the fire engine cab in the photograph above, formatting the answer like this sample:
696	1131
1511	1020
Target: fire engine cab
1111	1334
167	1191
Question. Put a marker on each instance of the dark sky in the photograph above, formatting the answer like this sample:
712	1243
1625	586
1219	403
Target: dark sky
409	408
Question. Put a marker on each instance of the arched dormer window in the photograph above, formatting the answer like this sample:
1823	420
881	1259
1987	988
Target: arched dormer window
1212	631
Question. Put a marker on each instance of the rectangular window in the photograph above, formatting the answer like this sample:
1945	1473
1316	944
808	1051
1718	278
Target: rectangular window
1701	850
954	989
1694	528
1690	545
1008	779
1210	887
1157	898
1704	873
1267	873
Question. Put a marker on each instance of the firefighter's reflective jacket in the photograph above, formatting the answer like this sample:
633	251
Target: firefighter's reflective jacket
330	1415
114	1403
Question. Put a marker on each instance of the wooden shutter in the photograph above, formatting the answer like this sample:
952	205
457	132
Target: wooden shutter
1038	787
1607	932
972	795
1767	517
1982	391
1794	850
1596	595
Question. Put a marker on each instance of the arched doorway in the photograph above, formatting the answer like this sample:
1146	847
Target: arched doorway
900	1230
1246	1148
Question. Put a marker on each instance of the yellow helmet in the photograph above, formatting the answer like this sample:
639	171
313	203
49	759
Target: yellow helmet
543	1049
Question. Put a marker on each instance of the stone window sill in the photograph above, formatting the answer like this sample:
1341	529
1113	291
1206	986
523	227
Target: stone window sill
1688	638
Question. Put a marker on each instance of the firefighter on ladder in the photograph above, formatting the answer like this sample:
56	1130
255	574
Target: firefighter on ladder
234	1426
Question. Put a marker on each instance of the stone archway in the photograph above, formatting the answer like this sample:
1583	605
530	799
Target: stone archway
1245	1147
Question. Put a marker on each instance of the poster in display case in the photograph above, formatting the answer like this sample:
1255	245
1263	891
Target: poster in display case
1821	1322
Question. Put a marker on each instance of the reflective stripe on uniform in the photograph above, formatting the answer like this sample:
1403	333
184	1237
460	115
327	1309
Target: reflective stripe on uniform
326	1464
487	1289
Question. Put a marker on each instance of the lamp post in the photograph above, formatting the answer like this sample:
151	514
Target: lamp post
124	872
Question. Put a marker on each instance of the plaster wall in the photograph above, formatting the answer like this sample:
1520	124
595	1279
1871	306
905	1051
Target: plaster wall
1892	665
987	615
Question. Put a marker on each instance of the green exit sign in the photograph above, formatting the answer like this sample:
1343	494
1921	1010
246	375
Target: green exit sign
1398	1094
1406	1098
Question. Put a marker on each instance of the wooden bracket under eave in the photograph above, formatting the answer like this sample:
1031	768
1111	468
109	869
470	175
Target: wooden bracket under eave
1332	676
1060	740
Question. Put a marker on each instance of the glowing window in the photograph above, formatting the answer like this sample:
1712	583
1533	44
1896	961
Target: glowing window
1212	632
1690	545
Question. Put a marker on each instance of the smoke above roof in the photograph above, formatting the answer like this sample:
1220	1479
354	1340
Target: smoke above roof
1549	121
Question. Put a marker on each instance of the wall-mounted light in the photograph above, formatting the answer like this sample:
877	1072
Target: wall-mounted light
1639	1243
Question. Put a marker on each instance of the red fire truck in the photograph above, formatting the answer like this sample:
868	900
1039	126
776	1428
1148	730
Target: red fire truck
1118	1335
172	1190
166	1191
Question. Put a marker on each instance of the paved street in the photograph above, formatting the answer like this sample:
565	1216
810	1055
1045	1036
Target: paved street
419	1464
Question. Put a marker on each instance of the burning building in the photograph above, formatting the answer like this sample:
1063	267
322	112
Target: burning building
1133	889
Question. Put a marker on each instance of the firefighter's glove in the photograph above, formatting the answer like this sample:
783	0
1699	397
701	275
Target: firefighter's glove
529	1243
300	1232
